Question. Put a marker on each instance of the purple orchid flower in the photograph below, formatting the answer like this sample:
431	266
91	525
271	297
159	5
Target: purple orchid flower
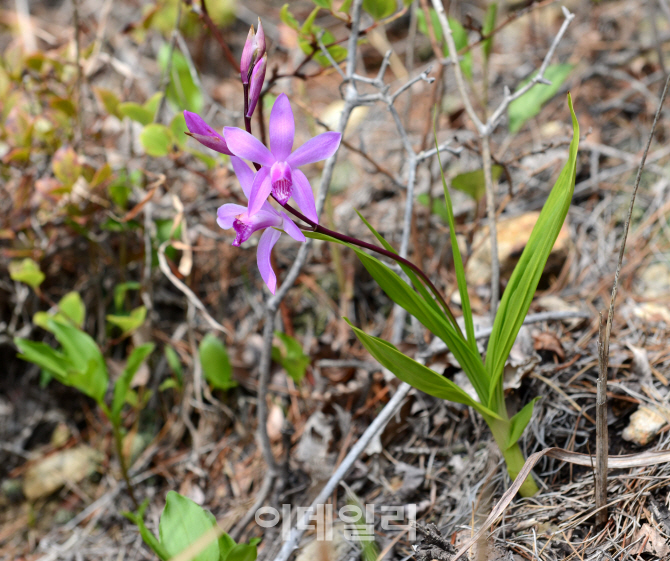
266	218
280	174
204	134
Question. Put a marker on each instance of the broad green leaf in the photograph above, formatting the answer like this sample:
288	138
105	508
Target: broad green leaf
243	552
530	103
72	306
135	112
152	103
521	287
136	358
226	545
182	91
417	375
179	129
156	140
175	364
129	323
379	9
147	535
488	27
326	4
110	101
89	371
287	18
345	7
337	52
66	166
294	361
120	291
182	523
45	357
520	421
215	363
27	272
458	260
472	182
308	27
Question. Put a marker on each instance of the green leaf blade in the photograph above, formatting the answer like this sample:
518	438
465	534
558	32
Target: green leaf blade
182	523
215	363
521	287
417	375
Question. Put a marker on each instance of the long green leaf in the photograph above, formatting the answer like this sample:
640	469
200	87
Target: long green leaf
135	360
520	421
416	282
417	375
458	260
403	295
521	288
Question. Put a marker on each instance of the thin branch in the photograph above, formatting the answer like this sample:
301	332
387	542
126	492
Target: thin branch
357	449
601	400
190	295
537	79
453	54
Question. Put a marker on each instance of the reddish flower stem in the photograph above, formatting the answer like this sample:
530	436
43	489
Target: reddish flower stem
355	241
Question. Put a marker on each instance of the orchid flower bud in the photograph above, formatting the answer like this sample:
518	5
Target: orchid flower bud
260	40
248	55
256	83
254	49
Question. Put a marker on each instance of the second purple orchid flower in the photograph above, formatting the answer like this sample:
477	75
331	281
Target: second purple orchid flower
278	175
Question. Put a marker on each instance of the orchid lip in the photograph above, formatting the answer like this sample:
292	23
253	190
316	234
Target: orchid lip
242	229
282	182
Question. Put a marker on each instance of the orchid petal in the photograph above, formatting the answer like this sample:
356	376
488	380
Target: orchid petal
304	196
291	229
317	149
260	190
244	174
265	245
246	146
204	134
226	214
282	128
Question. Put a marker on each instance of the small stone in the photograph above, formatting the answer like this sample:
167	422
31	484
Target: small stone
644	425
52	472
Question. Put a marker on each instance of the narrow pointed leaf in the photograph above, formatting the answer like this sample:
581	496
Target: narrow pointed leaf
458	260
135	360
416	282
403	295
521	288
415	374
520	421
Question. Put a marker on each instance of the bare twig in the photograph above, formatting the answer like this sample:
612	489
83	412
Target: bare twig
190	295
357	449
485	129
601	402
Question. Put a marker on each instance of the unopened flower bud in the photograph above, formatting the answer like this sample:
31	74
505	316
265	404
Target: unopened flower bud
254	49
248	55
260	40
256	83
